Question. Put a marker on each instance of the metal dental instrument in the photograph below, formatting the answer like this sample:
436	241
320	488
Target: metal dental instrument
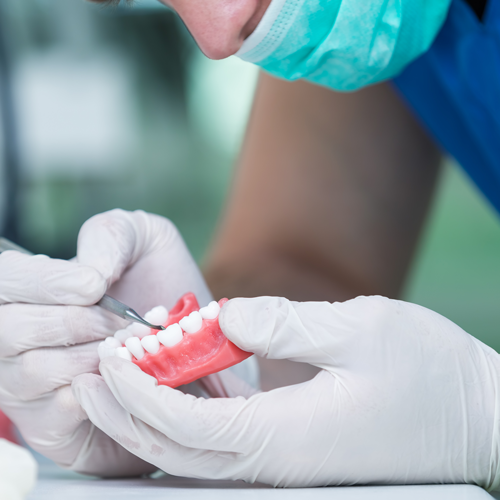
109	303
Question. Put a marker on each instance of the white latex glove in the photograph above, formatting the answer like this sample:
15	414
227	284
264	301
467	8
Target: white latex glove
405	397
48	335
18	471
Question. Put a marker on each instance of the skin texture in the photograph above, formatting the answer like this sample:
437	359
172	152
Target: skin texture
328	202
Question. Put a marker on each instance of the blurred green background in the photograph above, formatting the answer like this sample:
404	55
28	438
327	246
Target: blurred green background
118	108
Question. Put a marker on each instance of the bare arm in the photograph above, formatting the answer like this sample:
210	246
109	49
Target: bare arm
328	201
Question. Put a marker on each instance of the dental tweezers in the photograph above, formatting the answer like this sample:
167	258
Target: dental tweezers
109	303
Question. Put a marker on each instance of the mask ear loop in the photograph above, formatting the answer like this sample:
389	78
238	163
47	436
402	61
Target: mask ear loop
263	28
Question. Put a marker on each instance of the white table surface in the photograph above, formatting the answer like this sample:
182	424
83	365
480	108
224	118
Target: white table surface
57	484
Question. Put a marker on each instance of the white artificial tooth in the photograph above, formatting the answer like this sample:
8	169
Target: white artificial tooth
139	330
135	347
157	316
151	344
123	335
171	336
211	311
192	323
112	342
105	351
124	353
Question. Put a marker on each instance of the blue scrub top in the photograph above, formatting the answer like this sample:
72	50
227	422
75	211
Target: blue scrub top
454	89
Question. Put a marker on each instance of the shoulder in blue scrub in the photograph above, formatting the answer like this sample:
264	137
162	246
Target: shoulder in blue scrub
454	89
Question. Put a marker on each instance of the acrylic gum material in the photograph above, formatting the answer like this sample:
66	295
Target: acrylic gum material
196	355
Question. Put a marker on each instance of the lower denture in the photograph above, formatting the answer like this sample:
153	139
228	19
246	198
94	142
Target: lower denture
196	355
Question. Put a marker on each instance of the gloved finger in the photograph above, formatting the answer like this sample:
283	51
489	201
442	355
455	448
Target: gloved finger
138	437
51	326
37	372
38	279
319	333
213	424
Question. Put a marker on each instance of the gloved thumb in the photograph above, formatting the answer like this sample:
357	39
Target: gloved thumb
276	328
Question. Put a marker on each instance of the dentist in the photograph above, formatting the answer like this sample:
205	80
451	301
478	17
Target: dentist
328	202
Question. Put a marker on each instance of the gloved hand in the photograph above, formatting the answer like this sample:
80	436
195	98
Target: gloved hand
49	329
404	396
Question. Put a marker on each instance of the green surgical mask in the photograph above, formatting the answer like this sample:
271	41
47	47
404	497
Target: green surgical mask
343	44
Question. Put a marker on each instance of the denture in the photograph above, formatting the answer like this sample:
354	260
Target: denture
191	346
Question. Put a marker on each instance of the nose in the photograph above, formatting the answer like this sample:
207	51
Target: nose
219	26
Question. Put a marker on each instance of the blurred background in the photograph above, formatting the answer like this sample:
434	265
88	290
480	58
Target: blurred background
118	108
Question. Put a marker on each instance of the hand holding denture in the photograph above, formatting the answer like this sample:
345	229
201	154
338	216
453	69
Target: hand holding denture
136	257
371	416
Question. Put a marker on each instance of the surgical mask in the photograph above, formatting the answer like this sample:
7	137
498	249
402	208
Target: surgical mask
343	44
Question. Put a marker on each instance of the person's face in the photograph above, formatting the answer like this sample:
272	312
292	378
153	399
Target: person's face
219	26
